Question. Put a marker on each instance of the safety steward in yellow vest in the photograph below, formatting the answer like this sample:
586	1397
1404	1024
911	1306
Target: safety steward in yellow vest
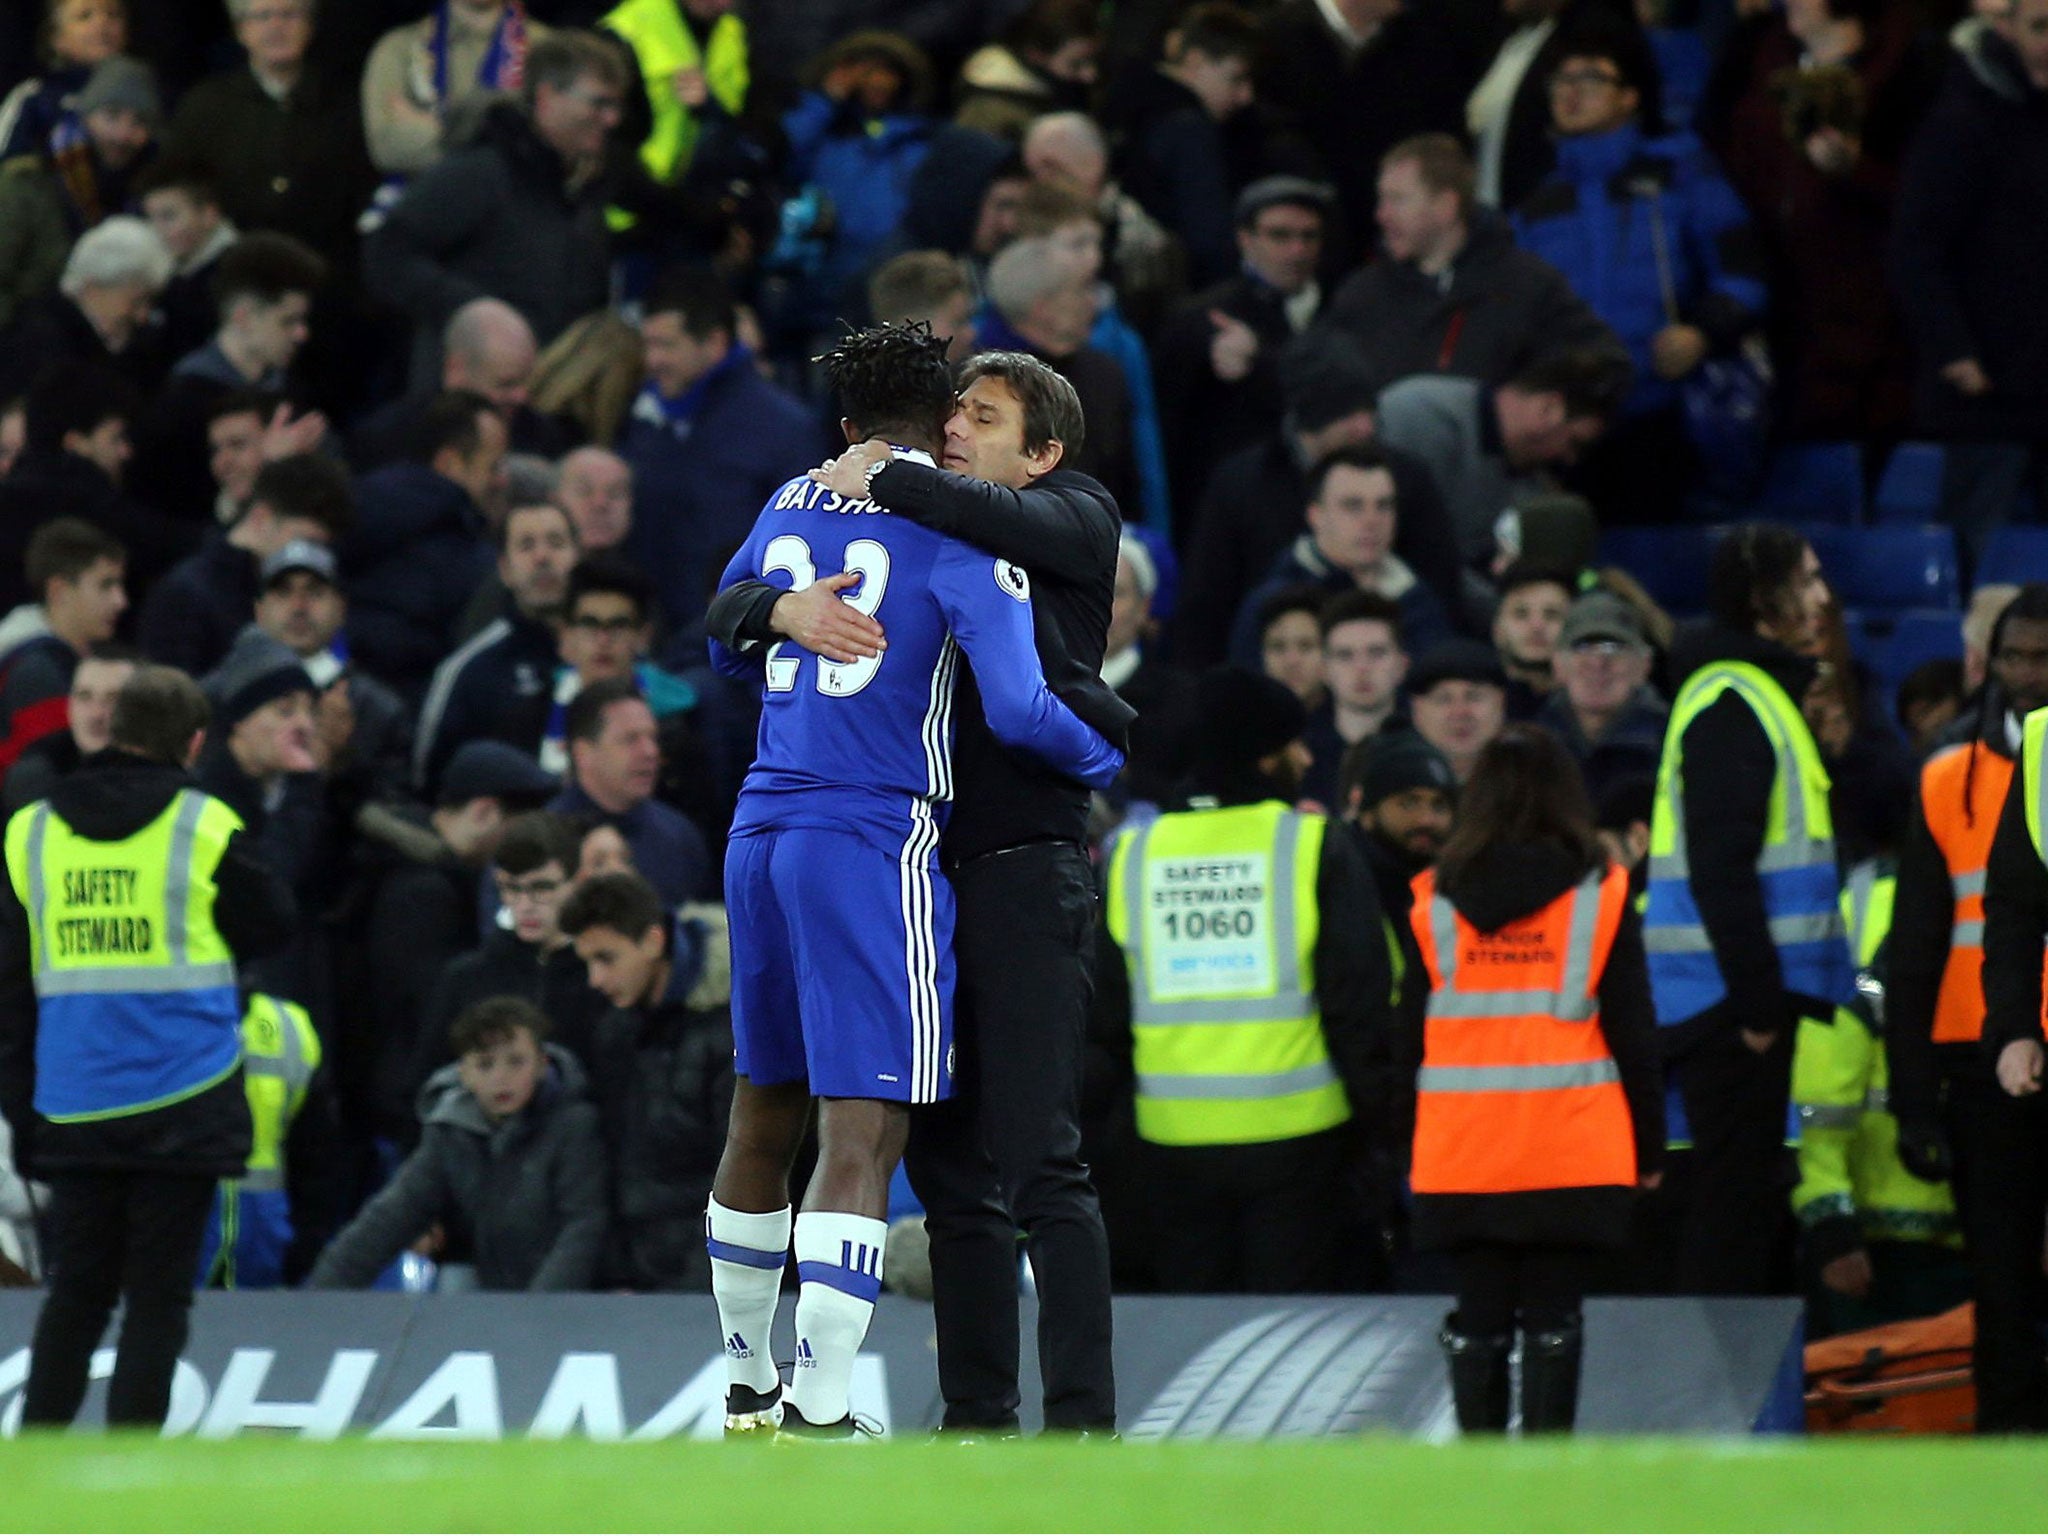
1942	1083
130	898
1538	1100
1246	985
2008	1206
692	59
250	1231
1880	1244
1743	924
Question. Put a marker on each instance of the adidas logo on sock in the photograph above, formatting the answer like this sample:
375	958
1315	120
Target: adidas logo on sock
805	1360
736	1348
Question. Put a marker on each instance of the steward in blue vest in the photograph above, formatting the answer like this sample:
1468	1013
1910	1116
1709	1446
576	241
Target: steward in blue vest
130	898
1743	923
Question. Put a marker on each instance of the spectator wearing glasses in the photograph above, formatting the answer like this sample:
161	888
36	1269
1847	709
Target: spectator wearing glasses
706	746
1604	710
1649	233
1219	358
526	955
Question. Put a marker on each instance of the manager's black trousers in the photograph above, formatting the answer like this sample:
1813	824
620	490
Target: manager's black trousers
116	1236
1005	1152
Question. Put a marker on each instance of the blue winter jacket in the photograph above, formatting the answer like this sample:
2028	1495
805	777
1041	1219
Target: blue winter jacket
865	165
702	470
1596	219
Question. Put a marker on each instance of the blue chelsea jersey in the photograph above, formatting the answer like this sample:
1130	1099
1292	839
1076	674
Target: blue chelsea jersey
848	743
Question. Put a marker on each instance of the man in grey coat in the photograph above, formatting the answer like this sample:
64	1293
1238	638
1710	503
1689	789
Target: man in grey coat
1487	446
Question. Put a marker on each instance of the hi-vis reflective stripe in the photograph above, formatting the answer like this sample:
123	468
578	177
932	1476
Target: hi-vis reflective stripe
1533	1079
289	1064
1237	1085
1968	933
1572	1002
179	975
135	978
1798	850
1862	885
1845	1117
1288	998
1691	938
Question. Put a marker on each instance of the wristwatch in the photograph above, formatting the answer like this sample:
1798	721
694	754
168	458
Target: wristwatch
867	475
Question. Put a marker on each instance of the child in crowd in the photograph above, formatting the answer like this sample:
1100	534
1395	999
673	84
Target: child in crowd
509	1166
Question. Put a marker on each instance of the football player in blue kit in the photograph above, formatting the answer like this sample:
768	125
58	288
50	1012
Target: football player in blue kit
841	919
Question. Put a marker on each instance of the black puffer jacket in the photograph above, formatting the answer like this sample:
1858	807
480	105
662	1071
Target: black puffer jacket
522	1200
662	1078
114	795
1500	886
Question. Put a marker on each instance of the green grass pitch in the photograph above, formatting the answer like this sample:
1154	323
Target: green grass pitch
91	1484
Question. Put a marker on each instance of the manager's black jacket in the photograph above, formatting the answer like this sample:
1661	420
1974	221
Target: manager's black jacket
1063	529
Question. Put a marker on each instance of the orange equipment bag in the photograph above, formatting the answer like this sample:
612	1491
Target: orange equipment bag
1910	1378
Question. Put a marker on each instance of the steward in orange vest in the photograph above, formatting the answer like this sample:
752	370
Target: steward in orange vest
1941	1077
1539	1098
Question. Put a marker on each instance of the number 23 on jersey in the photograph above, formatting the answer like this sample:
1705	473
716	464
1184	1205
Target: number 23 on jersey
866	559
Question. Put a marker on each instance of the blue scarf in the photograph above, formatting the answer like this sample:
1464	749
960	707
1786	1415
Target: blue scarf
666	694
504	63
680	414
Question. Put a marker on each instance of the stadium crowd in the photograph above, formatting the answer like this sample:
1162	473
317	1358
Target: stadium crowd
406	374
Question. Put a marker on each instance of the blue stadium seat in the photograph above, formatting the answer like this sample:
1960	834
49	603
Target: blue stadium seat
2016	552
1814	483
1909	491
1893	644
1671	563
1889	568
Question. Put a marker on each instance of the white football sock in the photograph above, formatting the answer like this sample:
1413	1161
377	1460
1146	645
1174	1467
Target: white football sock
748	1254
839	1262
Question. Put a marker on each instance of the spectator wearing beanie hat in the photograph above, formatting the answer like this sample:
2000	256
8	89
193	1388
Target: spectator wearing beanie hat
1457	694
1252	509
1243	1171
51	198
1397	796
262	757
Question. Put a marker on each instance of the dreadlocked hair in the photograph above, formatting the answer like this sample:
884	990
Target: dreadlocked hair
892	376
